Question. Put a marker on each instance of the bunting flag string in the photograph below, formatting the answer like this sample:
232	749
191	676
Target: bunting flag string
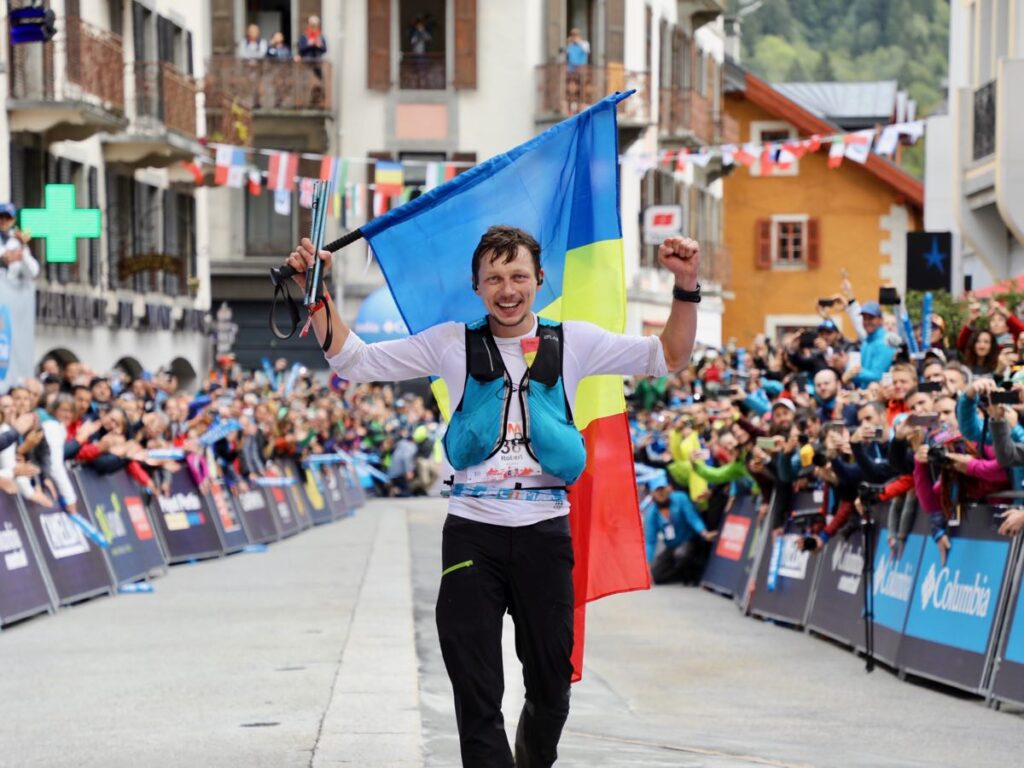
349	201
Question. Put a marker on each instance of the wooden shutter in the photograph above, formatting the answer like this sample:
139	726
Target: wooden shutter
813	249
614	31
763	244
463	157
465	44
93	201
554	28
222	15
139	31
190	66
378	45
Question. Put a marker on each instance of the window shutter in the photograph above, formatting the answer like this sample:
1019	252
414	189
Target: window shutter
554	28
614	31
763	244
813	249
139	31
378	38
93	201
465	44
190	67
222	14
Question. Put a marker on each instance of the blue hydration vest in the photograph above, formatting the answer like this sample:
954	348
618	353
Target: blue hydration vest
478	425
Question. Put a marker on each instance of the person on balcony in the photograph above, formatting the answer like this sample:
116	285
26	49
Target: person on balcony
17	263
253	46
278	49
577	56
419	41
312	47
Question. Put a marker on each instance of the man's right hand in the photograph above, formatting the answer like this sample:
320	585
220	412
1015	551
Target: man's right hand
303	258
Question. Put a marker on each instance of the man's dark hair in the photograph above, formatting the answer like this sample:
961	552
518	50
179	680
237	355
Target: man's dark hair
502	241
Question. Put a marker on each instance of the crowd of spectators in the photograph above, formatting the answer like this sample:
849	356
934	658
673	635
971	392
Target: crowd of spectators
856	422
237	426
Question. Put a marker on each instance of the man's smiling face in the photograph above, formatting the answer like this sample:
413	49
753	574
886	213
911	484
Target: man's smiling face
508	289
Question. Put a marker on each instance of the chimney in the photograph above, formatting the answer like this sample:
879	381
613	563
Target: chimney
733	44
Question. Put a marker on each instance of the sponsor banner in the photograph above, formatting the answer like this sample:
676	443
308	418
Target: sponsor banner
257	518
184	521
314	490
1008	684
17	330
23	590
355	496
895	574
297	497
225	516
727	569
337	491
953	608
279	502
786	576
77	567
837	607
117	508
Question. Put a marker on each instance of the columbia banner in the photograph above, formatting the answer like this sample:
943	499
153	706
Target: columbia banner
563	188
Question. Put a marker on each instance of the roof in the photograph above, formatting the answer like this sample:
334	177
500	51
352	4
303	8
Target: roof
772	100
864	103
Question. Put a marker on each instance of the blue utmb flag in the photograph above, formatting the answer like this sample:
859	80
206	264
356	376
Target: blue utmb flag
561	187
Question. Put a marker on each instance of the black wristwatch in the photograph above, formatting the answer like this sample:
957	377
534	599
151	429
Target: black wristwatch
680	294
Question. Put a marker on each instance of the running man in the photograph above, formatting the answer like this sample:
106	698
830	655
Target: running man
514	378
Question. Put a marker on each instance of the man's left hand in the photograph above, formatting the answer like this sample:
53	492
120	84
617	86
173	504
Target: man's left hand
681	257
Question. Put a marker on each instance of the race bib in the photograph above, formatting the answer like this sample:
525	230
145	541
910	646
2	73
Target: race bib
511	460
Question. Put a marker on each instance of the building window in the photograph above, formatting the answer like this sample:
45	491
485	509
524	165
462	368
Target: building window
788	242
422	45
767	133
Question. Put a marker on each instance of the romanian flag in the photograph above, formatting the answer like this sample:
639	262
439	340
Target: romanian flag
562	187
389	178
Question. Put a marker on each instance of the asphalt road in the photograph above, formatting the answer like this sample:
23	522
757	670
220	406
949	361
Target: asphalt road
322	651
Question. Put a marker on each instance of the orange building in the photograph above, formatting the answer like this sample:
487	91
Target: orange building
791	231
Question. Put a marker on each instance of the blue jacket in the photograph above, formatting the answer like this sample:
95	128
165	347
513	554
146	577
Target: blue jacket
875	358
683	523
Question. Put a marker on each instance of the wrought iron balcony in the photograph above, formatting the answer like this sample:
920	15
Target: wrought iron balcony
562	93
165	95
422	72
985	120
71	88
715	264
269	85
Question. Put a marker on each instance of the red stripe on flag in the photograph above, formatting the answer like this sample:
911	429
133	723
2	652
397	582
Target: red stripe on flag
326	168
607	531
281	171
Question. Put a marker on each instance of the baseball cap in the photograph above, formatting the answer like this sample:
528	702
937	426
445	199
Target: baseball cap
660	480
420	433
8	209
939	322
784	402
827	326
871	308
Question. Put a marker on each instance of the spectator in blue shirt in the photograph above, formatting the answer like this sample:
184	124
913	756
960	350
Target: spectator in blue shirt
670	516
875	353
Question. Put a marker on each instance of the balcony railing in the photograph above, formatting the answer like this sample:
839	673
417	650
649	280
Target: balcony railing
93	68
701	117
269	84
683	113
728	129
715	263
985	120
673	112
165	94
561	93
422	72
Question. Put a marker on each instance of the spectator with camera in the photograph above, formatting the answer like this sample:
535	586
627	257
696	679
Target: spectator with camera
16	260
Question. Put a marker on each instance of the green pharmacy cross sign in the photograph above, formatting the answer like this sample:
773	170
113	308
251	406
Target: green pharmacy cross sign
60	223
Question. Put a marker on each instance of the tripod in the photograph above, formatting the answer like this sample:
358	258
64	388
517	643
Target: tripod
867	528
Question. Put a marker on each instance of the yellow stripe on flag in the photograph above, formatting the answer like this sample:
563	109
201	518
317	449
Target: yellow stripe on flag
594	289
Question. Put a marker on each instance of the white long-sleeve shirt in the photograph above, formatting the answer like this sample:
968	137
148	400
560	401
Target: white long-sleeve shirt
441	351
8	459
